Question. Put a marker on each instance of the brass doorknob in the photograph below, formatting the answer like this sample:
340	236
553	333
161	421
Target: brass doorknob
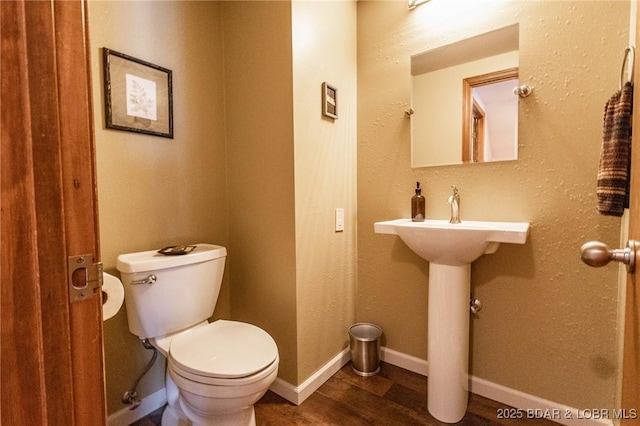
595	253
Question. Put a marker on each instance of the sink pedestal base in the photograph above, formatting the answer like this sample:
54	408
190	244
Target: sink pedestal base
448	340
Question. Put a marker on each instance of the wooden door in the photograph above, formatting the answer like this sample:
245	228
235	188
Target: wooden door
631	362
51	354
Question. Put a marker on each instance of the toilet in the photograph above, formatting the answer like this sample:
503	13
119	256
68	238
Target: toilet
216	371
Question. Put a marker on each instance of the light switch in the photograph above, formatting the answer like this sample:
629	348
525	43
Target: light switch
339	220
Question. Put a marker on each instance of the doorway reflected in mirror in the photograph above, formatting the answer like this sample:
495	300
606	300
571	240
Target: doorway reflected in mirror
490	117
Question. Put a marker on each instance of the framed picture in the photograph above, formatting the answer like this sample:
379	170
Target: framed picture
329	100
137	95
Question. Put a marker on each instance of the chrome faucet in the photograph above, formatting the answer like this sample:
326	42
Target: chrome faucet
454	200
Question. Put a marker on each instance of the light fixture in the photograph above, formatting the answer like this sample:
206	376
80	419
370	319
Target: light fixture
415	3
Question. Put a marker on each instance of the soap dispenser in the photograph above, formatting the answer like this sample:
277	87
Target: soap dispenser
417	205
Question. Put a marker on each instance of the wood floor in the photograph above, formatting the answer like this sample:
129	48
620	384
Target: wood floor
393	397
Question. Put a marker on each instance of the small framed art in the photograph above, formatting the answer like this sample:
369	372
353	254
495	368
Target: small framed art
329	100
137	95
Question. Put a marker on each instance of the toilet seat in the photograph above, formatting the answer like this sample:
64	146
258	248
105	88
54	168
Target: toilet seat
221	351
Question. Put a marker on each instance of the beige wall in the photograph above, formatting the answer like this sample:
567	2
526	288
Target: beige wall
288	169
548	326
260	171
155	191
325	176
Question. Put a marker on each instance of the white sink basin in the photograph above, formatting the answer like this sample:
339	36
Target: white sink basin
455	244
450	248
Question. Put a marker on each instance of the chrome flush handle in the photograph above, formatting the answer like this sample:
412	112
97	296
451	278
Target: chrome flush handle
595	253
149	280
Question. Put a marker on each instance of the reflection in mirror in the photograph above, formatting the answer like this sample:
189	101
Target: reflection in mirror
488	63
490	117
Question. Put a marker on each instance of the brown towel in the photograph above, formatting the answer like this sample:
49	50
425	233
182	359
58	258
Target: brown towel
615	156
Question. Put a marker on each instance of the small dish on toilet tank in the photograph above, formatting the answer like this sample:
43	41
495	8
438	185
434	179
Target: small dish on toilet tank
176	250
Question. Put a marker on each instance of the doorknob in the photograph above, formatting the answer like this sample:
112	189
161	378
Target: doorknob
595	253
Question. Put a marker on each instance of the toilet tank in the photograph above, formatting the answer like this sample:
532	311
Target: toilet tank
184	293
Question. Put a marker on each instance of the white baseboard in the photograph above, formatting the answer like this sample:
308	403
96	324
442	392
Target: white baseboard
148	405
297	394
530	406
408	362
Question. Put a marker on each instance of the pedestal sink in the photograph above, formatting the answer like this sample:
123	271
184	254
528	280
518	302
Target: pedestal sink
450	249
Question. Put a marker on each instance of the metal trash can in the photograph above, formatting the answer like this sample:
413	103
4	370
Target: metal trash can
364	344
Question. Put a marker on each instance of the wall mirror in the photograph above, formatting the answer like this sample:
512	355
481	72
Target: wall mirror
463	101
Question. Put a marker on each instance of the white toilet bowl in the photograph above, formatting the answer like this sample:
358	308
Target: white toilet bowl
220	371
215	371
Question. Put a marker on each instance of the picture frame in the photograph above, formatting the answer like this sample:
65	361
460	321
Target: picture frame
329	100
138	95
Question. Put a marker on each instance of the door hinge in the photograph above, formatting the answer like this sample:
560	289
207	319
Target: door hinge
84	277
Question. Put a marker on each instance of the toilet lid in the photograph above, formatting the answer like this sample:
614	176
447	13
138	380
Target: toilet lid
225	349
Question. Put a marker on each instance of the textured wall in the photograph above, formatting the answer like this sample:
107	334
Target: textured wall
154	191
288	169
260	171
325	158
548	326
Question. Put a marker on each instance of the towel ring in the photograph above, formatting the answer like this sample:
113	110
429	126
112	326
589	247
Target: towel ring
628	62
